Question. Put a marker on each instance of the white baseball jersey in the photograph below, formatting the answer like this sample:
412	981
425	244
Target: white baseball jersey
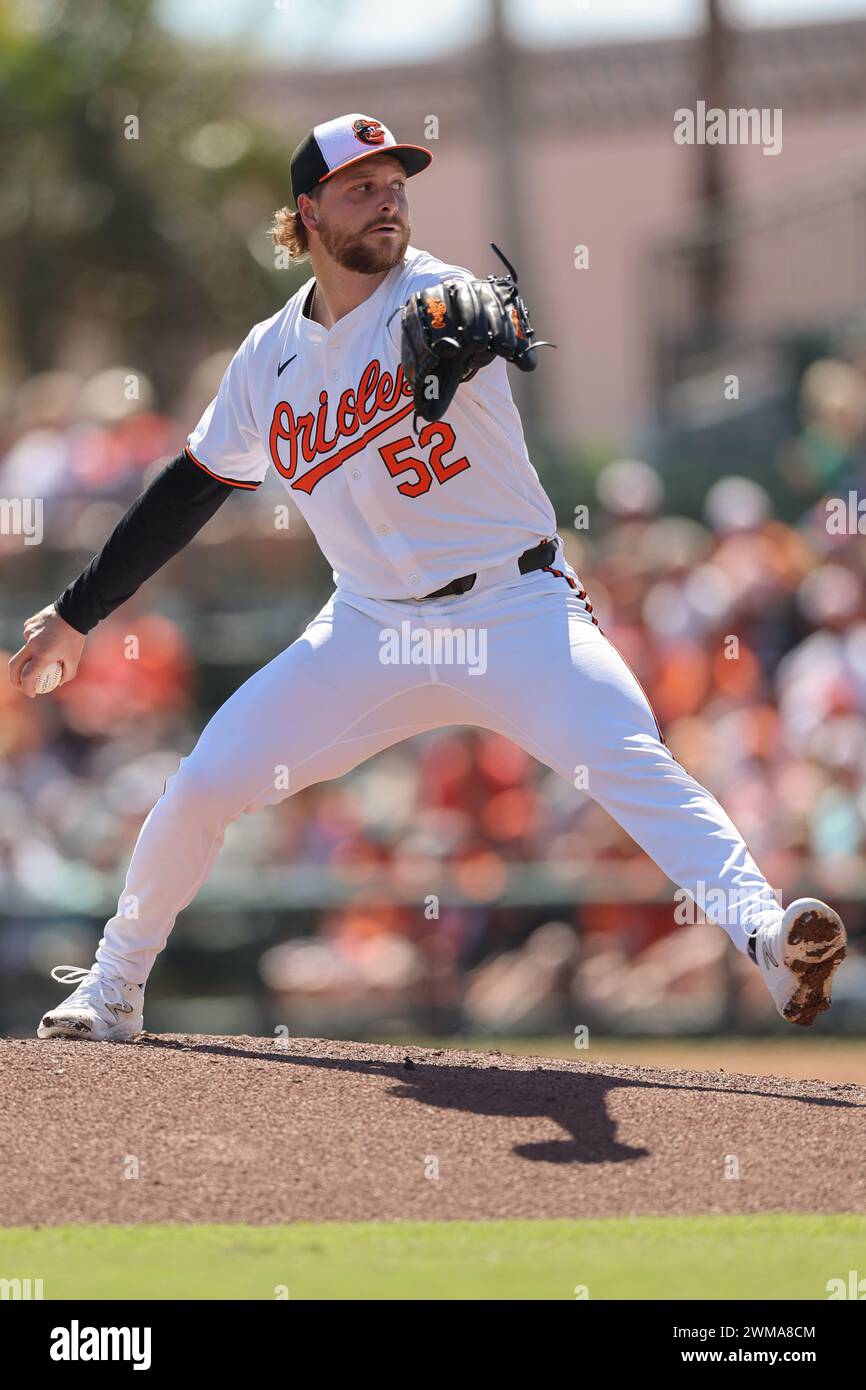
397	515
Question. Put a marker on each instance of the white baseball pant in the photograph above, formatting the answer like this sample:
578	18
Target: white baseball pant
527	660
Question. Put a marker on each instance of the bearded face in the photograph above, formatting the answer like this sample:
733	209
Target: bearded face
363	216
378	247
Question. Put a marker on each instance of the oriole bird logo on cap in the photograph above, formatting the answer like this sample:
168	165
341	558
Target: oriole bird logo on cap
368	131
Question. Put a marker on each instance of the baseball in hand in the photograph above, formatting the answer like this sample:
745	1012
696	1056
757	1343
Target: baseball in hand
49	679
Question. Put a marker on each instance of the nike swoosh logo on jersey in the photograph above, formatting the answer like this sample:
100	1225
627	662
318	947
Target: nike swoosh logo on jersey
282	367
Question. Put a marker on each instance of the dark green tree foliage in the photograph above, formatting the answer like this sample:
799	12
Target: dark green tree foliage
160	238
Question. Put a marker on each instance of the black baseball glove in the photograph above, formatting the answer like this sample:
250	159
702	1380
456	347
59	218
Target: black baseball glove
452	329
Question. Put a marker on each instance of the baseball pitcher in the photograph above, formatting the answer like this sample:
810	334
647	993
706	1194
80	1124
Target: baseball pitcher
379	393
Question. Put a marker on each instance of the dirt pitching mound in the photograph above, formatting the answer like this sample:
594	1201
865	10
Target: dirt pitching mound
256	1130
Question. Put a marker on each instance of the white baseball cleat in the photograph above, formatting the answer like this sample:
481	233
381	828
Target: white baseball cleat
798	958
102	1008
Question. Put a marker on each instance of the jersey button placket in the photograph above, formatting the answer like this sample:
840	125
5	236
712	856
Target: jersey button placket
332	361
383	535
370	506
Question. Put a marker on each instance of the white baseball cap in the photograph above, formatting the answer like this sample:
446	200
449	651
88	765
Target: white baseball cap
347	140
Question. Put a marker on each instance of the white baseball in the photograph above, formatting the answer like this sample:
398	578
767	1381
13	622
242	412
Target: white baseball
49	679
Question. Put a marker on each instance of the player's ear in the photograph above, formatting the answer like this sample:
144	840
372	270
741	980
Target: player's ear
308	211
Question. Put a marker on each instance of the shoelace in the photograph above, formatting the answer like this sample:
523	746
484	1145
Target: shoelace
76	975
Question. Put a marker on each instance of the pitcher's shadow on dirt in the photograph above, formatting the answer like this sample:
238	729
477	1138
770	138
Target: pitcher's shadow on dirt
576	1101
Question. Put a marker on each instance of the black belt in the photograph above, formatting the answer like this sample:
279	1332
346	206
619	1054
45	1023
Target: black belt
535	559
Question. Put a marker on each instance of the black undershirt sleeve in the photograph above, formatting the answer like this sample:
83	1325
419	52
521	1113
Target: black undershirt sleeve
159	523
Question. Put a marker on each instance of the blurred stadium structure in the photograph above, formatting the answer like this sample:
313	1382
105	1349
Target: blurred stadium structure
450	883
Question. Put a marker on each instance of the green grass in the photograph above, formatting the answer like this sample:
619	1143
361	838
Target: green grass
730	1257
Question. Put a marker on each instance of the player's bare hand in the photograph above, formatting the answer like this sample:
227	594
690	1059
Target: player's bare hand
47	639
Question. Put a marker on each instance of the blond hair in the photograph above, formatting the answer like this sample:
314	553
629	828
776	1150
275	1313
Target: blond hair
288	230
